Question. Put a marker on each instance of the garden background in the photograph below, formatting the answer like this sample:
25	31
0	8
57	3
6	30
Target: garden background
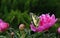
16	12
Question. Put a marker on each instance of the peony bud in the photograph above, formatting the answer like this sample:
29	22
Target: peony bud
21	27
59	30
12	34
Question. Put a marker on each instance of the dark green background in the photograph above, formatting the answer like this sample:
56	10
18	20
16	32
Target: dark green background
36	6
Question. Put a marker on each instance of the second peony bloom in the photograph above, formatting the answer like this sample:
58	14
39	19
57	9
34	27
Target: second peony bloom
45	22
3	26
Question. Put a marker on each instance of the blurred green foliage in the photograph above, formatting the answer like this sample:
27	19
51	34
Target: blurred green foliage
36	6
16	12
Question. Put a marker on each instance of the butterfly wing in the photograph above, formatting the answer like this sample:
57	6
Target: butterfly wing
35	19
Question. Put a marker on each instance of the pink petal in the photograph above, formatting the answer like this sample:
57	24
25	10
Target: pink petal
40	29
33	27
53	16
3	26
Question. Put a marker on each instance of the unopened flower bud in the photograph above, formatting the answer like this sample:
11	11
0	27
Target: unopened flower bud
21	27
12	34
59	30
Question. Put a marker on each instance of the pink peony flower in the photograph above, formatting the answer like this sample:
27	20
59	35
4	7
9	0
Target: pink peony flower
3	26
58	30
45	22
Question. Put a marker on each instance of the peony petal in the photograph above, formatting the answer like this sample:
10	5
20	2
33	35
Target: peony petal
33	27
47	15
53	16
3	26
40	29
1	20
